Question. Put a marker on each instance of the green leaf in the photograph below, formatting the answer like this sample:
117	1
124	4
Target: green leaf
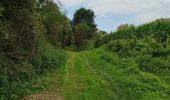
1	10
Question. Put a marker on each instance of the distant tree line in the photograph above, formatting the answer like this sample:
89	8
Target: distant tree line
125	31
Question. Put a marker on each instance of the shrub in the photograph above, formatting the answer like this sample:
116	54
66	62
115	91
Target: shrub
15	74
133	47
147	63
123	47
50	59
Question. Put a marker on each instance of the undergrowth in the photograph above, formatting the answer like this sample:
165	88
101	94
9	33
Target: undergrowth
18	79
134	78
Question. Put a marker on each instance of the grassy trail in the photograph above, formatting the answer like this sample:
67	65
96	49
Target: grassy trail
77	80
81	81
86	76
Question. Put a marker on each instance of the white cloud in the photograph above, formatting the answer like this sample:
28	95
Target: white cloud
127	7
71	3
123	7
138	11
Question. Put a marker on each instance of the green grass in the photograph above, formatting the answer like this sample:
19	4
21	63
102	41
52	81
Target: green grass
81	81
100	75
125	78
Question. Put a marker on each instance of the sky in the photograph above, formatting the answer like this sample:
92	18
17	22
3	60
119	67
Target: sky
112	13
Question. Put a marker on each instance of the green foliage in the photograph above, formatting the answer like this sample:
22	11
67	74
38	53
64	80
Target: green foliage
123	47
124	27
49	58
149	53
155	28
1	10
134	65
83	15
119	45
124	77
139	57
83	36
21	35
15	76
134	47
84	28
153	65
25	54
58	28
4	32
99	36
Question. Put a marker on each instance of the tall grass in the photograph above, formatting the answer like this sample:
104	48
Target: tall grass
132	78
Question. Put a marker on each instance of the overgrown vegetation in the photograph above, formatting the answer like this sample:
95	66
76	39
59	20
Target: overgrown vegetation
58	27
131	63
154	29
142	77
84	28
25	50
141	56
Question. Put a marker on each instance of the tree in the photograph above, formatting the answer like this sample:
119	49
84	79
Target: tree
84	27
83	33
20	27
24	29
99	37
123	27
83	15
57	25
66	35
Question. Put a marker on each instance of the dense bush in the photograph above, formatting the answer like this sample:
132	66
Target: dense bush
48	59
154	65
99	36
83	35
121	45
14	75
57	25
25	53
148	53
134	47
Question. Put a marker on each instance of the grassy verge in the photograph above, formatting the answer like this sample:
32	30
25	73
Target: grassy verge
125	79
